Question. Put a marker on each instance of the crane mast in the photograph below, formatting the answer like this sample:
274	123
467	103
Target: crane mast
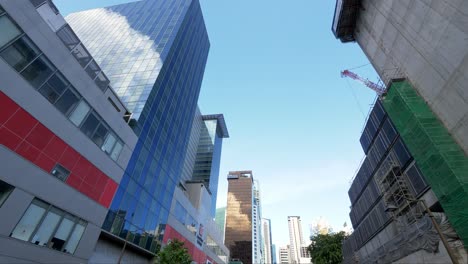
379	89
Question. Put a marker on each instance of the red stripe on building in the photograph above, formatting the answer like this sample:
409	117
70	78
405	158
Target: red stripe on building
25	135
197	254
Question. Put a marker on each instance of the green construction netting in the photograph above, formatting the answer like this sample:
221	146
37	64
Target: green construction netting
440	158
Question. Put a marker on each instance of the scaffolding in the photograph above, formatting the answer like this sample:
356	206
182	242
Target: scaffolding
440	158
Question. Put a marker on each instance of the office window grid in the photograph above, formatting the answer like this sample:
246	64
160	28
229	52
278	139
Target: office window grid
48	226
23	56
141	205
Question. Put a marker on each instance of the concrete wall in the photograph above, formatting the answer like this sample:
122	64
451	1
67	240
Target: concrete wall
31	182
426	41
106	252
441	257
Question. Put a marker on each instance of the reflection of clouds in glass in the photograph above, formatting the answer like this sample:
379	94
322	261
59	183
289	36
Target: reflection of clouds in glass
239	216
129	58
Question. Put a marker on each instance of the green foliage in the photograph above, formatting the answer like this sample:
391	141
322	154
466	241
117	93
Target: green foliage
326	248
174	252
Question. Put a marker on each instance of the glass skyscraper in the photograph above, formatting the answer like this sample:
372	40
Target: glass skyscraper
208	157
154	53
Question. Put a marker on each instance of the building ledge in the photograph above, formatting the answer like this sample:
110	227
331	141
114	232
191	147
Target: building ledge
344	20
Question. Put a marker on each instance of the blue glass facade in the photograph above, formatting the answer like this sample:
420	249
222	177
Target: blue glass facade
154	53
208	157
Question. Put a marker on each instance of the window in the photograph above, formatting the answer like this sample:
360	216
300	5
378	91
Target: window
92	69
67	101
81	55
60	172
109	143
54	87
79	113
5	190
116	151
33	65
38	71
48	226
29	221
68	37
101	81
89	125
9	30
20	53
100	134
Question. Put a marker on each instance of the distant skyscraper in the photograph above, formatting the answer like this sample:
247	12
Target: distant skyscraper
208	157
257	236
284	255
220	219
273	254
296	239
268	246
239	226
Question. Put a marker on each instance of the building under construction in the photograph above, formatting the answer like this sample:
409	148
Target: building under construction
420	51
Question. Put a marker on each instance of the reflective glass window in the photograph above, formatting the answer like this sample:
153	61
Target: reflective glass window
62	233
92	69
89	125
101	81
79	113
60	172
416	179
9	30
46	228
20	53
67	101
75	237
109	143
38	71
402	152
54	87
29	221
116	151
81	55
100	134
68	37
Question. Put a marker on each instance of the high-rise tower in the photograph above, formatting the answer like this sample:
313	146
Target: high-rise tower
208	157
420	51
296	240
239	226
154	53
268	246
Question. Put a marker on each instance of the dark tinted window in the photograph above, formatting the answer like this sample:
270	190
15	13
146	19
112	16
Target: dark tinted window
416	179
82	55
67	101
5	190
38	71
20	53
90	125
60	172
389	130
68	37
54	87
100	134
401	152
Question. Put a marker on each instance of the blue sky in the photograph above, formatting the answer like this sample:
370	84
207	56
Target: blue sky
274	72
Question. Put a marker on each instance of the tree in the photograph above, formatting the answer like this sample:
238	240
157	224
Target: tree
174	252
326	248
